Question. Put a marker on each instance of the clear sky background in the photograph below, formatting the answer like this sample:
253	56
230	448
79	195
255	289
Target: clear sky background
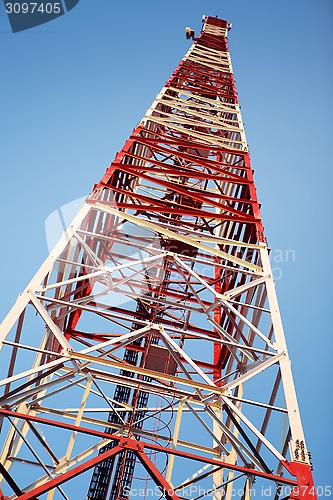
72	91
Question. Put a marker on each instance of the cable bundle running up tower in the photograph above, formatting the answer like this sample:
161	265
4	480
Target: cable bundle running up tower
147	356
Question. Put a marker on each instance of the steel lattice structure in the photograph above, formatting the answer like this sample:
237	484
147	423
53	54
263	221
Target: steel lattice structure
148	349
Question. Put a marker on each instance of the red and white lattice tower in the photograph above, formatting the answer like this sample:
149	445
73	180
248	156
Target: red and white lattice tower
147	356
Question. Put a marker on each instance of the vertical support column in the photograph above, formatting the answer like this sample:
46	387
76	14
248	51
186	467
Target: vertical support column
281	347
174	440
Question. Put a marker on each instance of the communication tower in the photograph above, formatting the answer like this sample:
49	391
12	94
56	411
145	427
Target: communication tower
147	355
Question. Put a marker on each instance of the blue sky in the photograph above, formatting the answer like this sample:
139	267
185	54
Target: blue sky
72	90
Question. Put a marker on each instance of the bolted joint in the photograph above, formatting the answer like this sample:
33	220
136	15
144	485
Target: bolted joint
298	451
66	351
131	444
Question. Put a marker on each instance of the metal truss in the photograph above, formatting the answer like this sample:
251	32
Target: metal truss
148	349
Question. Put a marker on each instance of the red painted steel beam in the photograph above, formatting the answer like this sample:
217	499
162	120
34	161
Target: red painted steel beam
195	194
138	448
151	446
66	476
161	208
2	496
305	489
191	189
168	492
207	164
137	315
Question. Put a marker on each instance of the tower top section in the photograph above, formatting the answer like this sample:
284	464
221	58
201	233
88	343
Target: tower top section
211	26
215	26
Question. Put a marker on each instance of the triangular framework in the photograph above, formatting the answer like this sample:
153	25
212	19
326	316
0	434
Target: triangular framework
155	318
